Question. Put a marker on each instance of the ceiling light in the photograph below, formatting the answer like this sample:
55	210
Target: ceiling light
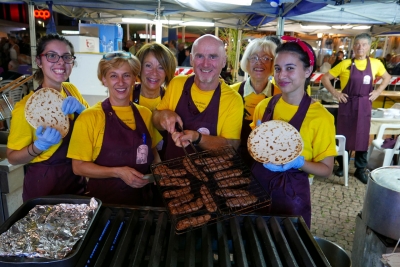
274	3
233	2
137	20
319	27
69	32
319	35
170	22
341	27
198	23
363	27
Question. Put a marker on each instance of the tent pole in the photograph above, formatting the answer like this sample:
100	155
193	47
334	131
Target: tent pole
238	45
217	31
183	34
280	26
32	37
158	24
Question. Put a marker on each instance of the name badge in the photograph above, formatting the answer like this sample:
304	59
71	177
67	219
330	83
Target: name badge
141	154
367	79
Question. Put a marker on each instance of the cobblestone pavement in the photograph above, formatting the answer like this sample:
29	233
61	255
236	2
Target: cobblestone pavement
335	207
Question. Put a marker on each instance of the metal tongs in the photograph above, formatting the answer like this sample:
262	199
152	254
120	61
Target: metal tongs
179	128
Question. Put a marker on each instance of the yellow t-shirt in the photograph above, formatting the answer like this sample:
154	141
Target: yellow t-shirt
230	111
88	134
23	134
317	130
342	69
150	103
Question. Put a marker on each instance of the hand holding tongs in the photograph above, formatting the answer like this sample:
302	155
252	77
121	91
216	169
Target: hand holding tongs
179	128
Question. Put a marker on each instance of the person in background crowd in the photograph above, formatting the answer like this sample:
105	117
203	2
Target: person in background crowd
186	62
130	46
355	100
12	72
113	143
288	184
325	67
49	171
14	48
394	65
208	110
257	61
25	51
181	55
386	61
339	58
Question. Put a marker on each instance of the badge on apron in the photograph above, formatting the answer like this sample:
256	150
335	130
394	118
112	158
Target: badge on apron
367	79
204	130
142	152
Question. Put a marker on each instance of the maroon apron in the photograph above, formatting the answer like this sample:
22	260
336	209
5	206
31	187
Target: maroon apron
119	148
289	190
354	117
53	176
193	119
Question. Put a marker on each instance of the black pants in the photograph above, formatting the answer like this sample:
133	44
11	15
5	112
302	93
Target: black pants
360	159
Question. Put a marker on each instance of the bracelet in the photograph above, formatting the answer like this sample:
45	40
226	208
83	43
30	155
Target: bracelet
30	152
198	139
33	150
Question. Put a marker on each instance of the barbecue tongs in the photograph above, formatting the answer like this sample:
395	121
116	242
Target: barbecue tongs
179	128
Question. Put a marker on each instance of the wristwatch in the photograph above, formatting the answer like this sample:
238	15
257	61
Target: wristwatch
197	141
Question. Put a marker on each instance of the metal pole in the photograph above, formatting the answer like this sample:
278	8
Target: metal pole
238	45
183	34
32	37
281	23
217	31
158	24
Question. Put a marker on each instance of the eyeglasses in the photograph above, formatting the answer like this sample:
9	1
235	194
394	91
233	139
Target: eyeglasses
120	54
265	59
54	58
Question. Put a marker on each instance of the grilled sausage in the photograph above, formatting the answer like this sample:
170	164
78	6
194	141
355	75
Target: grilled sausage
187	207
233	182
208	199
173	181
218	166
180	200
163	170
192	222
229	192
241	201
190	167
177	192
203	161
227	174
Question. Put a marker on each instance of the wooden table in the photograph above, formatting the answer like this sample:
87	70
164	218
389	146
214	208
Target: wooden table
390	95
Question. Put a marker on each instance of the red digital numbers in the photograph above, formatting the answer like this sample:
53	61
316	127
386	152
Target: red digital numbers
41	14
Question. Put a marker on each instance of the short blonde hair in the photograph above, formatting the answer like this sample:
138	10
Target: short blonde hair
259	44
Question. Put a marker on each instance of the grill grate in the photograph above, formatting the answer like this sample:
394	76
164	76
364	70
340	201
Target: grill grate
145	237
201	163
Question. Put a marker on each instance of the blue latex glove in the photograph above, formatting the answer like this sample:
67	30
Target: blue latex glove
295	164
46	139
258	123
71	105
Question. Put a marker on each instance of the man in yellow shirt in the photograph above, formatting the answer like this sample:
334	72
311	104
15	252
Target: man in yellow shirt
208	110
355	100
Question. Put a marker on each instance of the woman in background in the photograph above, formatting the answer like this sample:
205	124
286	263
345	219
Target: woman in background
288	184
49	171
113	143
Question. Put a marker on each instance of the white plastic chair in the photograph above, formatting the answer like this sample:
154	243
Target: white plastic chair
378	141
341	150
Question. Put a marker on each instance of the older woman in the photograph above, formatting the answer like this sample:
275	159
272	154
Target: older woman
114	141
257	61
49	171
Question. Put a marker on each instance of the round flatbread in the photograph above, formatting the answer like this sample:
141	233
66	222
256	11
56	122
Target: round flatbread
43	108
276	142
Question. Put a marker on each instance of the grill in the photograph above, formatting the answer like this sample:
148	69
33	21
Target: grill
146	237
220	172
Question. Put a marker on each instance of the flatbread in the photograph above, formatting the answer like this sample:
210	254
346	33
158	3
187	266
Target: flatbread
43	108
275	141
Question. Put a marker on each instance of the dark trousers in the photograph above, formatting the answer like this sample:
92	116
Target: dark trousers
360	159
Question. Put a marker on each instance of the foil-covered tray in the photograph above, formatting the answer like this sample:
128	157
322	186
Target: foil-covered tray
207	187
69	259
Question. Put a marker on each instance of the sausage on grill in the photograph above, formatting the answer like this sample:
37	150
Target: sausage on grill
227	174
192	222
207	199
177	192
233	182
241	201
190	167
218	166
173	181
187	207
164	170
180	200
229	192
203	161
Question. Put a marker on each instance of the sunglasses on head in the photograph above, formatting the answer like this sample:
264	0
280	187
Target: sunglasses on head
120	54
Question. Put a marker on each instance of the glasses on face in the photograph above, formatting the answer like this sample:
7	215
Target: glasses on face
54	58
121	54
264	59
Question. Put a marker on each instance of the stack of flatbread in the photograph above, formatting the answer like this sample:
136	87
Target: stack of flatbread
43	108
276	142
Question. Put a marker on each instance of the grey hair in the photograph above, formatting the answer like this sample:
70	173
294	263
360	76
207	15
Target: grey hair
258	44
363	36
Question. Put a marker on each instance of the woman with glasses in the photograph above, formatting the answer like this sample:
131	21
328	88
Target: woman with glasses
257	61
114	141
49	171
288	184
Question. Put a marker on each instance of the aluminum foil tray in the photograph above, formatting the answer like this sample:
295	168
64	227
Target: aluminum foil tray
21	212
200	179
